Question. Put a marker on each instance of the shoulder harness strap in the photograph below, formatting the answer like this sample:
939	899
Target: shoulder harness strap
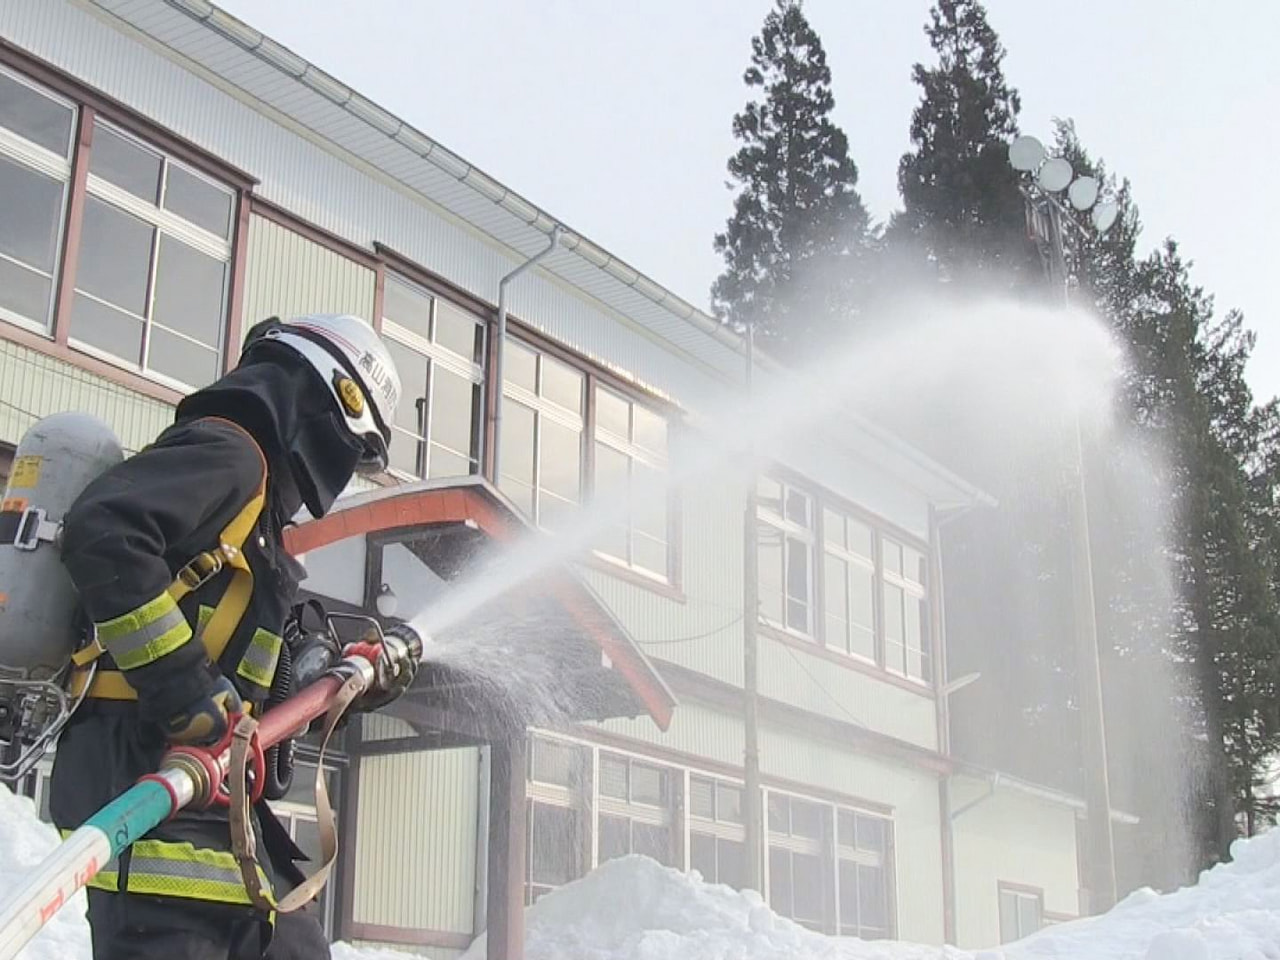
226	616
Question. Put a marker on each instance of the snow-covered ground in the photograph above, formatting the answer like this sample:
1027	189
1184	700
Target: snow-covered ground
634	909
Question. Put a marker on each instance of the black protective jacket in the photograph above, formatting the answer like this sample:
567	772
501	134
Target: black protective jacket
123	542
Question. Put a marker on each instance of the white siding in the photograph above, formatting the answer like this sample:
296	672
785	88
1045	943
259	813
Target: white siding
805	680
33	385
704	632
288	275
1013	838
416	840
695	729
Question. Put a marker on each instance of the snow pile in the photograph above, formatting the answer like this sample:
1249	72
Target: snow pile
24	841
635	909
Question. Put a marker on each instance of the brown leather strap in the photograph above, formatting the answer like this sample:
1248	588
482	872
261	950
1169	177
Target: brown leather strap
244	844
326	823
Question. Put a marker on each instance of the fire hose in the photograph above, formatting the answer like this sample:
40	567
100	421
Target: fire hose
198	777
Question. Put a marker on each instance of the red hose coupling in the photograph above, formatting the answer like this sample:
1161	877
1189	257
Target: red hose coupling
203	766
368	651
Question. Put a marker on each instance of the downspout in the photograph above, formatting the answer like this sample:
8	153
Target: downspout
992	785
937	520
499	350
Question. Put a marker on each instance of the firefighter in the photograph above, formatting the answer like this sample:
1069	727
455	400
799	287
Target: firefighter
178	557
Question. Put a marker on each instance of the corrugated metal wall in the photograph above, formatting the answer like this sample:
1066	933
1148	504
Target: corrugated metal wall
416	840
33	385
288	275
797	677
695	729
378	726
703	631
1012	838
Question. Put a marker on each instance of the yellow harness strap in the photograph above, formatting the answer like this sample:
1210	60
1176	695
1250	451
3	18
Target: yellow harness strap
112	684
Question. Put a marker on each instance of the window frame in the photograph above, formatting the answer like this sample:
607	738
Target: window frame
544	408
823	502
1019	892
851	560
786	529
598	375
91	104
681	770
436	355
634	453
33	156
859	856
910	590
664	815
163	223
575	797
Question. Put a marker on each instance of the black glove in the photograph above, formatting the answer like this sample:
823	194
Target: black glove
207	720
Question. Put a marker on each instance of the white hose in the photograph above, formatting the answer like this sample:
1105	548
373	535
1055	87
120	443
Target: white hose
56	881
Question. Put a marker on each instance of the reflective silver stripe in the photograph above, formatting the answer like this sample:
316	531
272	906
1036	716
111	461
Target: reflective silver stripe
183	869
259	661
125	647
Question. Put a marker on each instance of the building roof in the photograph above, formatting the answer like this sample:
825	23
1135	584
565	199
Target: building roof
563	646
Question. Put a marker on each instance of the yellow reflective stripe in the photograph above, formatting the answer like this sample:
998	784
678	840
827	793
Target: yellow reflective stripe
108	878
258	665
166	869
202	618
145	634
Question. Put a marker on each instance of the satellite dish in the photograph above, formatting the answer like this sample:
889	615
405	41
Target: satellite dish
1054	175
1104	215
1083	194
1026	153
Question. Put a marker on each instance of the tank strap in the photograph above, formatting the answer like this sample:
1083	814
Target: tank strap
230	609
25	529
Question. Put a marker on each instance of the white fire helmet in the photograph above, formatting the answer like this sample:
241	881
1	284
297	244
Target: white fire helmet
355	363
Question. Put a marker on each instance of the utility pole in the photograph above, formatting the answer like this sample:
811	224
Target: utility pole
1100	877
751	812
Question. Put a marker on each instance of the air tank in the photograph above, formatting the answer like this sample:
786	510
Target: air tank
56	459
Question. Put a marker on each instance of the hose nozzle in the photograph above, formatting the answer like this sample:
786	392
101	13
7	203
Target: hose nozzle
401	634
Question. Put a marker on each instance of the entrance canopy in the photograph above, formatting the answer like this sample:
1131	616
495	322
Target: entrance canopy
543	653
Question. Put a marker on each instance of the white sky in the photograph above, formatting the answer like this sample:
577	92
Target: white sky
615	117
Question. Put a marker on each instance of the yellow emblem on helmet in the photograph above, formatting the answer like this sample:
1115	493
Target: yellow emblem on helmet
352	396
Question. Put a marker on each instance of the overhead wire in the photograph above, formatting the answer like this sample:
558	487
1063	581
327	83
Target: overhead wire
692	637
819	684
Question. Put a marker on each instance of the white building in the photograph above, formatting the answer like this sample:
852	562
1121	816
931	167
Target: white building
168	176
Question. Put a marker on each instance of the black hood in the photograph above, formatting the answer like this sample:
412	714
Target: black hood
288	409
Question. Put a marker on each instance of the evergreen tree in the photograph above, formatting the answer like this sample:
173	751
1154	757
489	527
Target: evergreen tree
793	248
962	212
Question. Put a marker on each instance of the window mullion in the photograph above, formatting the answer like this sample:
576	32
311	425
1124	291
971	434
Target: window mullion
536	492
73	216
426	408
201	240
877	599
145	361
